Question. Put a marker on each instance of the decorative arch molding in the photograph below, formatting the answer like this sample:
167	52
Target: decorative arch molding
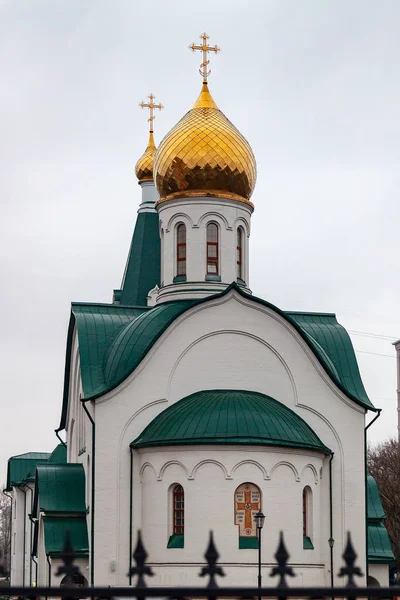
284	463
144	467
236	332
212	215
209	461
181	216
168	464
250	462
241	222
313	471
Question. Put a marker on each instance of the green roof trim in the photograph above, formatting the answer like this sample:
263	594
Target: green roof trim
379	547
229	417
55	529
59	489
142	272
22	468
114	339
375	510
176	541
246	543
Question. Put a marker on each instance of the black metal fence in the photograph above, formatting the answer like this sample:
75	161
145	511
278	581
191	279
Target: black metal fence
141	571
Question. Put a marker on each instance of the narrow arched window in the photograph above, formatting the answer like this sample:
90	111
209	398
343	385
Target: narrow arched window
239	253
212	249
307	518
181	249
178	510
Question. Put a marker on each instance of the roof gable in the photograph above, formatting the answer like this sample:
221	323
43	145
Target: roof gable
22	468
113	340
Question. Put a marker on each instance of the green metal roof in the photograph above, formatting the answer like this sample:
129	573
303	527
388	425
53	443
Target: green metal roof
142	271
374	508
60	489
114	339
22	467
326	333
59	455
229	417
55	529
379	547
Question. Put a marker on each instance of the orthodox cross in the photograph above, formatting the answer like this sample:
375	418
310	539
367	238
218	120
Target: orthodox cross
204	48
151	106
247	506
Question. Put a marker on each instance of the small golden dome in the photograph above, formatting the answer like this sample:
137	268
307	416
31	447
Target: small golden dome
144	166
205	155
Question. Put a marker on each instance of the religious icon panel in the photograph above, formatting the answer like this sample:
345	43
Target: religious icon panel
247	504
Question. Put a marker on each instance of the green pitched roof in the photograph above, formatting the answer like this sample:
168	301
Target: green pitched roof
22	467
114	339
229	417
55	529
374	507
59	489
59	455
379	547
142	272
326	333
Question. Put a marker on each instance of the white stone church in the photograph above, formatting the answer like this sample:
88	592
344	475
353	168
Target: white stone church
190	405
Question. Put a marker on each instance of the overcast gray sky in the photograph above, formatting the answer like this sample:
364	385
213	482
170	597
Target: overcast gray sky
312	84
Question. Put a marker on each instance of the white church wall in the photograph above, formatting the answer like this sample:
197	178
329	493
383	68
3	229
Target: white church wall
209	476
196	214
226	343
380	573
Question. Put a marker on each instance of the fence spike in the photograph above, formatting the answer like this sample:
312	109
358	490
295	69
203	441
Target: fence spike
350	570
211	555
68	567
282	557
141	569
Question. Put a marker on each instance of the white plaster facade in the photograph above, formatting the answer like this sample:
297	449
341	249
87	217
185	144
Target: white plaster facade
22	568
227	343
195	214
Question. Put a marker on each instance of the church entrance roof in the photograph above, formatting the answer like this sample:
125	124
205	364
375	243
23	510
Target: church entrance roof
229	417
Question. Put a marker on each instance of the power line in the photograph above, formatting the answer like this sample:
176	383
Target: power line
374	335
375	353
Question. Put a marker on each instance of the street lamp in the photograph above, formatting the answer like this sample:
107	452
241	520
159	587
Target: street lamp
259	519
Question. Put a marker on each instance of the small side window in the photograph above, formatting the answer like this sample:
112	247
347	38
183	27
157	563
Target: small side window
212	249
176	540
307	519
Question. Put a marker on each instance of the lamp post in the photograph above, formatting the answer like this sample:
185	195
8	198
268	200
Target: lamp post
259	519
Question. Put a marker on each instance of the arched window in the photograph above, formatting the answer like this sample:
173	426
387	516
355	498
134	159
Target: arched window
181	249
178	520
212	249
307	518
239	253
247	504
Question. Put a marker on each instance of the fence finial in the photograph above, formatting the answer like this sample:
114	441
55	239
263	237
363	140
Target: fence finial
350	557
211	555
68	556
141	569
282	556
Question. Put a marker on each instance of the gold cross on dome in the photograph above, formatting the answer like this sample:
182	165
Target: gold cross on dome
204	48
151	106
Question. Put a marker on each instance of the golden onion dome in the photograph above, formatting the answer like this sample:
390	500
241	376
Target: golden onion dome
144	166
205	155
